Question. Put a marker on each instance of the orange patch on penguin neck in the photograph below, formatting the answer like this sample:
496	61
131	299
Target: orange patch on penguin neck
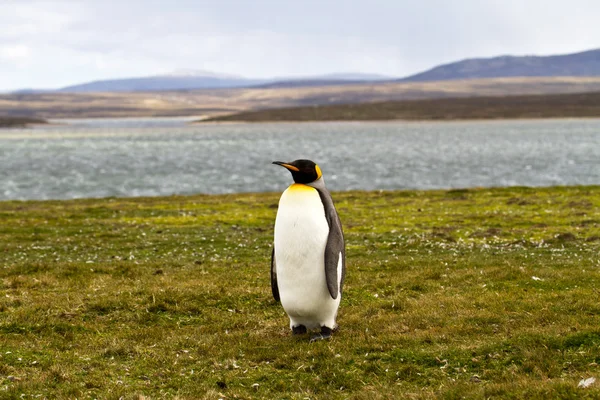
300	187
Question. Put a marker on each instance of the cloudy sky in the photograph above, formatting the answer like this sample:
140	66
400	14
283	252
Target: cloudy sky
52	43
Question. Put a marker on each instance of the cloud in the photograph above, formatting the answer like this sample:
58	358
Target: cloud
23	20
14	53
50	43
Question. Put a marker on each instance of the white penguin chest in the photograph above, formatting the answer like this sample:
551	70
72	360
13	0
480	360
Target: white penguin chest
301	232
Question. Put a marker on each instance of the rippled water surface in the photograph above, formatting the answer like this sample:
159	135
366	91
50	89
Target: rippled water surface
150	157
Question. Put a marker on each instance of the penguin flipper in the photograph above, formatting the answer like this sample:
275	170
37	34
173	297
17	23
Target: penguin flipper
333	251
335	247
274	287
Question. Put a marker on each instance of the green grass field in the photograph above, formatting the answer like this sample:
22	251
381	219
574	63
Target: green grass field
482	293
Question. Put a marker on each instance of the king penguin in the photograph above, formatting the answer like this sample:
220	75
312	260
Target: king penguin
308	260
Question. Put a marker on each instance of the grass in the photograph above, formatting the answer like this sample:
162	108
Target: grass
496	107
482	293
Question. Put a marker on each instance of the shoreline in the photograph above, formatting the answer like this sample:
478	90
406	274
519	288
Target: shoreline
393	121
194	122
183	196
190	121
21	122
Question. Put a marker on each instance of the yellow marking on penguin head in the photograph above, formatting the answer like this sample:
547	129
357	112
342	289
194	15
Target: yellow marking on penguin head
318	170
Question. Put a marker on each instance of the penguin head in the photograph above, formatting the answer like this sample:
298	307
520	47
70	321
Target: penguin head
303	171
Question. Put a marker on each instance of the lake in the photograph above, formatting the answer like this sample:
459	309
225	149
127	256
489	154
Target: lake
164	156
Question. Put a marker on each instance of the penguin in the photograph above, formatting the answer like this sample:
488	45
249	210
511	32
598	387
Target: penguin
308	261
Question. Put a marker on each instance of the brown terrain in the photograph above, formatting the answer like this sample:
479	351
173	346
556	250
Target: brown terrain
577	105
208	103
19	122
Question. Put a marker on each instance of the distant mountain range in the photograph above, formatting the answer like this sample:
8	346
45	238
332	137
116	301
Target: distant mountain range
188	80
162	83
585	63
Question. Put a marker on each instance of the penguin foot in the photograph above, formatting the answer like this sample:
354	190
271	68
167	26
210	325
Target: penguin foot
323	335
299	330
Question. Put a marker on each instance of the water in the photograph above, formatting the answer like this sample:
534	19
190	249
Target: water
154	157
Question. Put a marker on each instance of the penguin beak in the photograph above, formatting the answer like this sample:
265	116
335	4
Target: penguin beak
286	165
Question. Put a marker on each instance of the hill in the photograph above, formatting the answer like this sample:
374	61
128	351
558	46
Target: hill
326	80
191	80
213	102
306	83
537	106
161	83
582	64
586	63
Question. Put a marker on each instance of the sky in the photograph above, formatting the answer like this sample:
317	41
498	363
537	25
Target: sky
52	43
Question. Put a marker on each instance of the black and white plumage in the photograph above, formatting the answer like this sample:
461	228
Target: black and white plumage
308	259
